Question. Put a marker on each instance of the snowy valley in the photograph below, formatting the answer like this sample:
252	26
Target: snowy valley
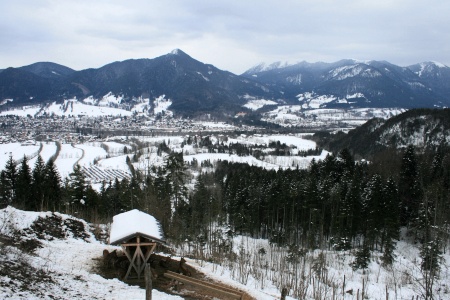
260	211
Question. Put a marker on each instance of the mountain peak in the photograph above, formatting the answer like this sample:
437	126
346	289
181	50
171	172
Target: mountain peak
263	67
48	69
177	52
437	64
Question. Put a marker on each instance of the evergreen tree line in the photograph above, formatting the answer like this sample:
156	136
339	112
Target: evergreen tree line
335	204
338	204
41	188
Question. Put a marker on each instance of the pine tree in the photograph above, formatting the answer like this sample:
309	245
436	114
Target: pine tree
347	162
52	184
37	186
158	198
23	191
391	221
9	181
409	187
362	258
3	190
78	186
199	206
176	176
372	209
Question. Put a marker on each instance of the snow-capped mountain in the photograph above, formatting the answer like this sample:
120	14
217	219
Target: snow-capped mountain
195	88
352	83
434	75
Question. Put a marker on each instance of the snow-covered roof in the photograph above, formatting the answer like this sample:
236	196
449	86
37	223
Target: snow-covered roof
132	223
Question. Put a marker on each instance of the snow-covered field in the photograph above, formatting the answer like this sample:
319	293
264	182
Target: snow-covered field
90	154
118	162
289	140
256	104
17	151
22	111
67	159
298	116
110	155
47	151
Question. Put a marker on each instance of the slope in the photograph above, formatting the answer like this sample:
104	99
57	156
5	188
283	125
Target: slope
423	128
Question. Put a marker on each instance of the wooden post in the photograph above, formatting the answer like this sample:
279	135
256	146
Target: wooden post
284	292
138	251
148	282
362	291
343	287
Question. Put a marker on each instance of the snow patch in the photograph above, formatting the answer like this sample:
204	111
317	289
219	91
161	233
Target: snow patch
161	104
206	78
5	101
255	104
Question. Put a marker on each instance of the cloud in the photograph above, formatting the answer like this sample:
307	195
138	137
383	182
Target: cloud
233	35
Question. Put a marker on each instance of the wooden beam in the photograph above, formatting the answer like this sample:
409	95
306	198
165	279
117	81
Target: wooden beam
131	264
138	260
135	244
224	291
147	257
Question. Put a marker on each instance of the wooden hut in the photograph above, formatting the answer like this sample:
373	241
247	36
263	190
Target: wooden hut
138	234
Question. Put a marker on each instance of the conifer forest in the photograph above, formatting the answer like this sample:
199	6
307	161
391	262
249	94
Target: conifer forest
336	204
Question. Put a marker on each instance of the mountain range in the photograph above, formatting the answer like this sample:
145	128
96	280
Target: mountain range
196	88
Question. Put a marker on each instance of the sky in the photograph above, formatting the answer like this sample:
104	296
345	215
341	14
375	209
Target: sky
229	34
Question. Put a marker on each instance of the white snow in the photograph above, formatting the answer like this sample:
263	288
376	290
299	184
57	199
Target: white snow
21	111
73	107
262	67
47	151
69	262
110	100
214	125
438	64
161	104
344	72
258	103
132	222
5	101
67	158
17	151
118	162
90	153
214	157
298	116
203	76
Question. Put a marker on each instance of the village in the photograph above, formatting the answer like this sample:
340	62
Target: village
75	129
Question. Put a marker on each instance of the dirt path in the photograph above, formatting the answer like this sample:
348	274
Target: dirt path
82	155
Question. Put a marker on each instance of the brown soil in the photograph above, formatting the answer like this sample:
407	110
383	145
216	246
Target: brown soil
161	264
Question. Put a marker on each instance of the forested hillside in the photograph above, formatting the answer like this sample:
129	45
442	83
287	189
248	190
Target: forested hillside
336	204
423	128
333	204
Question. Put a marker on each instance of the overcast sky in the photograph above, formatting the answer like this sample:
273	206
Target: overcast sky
233	35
